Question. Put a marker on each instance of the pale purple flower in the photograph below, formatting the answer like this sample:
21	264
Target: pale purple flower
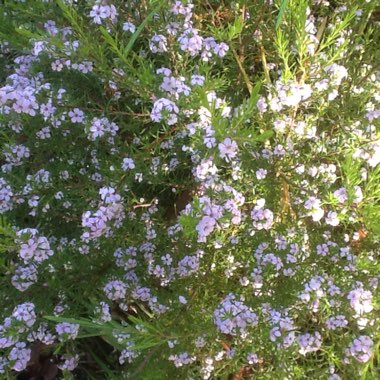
19	356
129	27
42	334
51	27
164	109
100	12
25	313
39	47
158	44
128	354
24	277
205	226
341	194
6	196
322	249
335	322
76	115
188	265
373	115
262	105
360	300
279	150
109	195
85	67
128	163
309	343
97	14
234	317
228	149
221	49
361	348
210	142
197	80
115	290
33	246
47	109
181	359
67	331
262	218
164	70
252	358
172	28
103	312
336	73
322	85
190	41
44	133
97	129
69	362
261	173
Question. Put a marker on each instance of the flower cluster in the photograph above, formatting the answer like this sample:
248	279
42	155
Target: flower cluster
164	109
234	317
67	330
361	348
32	246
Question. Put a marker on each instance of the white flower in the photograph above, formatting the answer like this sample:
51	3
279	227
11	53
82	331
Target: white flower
332	218
313	204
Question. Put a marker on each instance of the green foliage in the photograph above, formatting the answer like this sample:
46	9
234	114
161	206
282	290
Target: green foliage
310	146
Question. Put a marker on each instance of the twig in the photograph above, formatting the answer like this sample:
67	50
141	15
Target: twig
157	141
143	205
265	65
242	70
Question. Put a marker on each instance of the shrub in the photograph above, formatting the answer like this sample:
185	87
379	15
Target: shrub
194	188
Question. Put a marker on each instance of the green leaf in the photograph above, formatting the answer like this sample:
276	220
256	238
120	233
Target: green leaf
72	16
235	29
281	13
255	93
108	38
266	135
86	323
248	107
27	33
188	223
139	30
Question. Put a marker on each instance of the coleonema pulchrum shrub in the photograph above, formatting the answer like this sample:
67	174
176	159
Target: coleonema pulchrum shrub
190	190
